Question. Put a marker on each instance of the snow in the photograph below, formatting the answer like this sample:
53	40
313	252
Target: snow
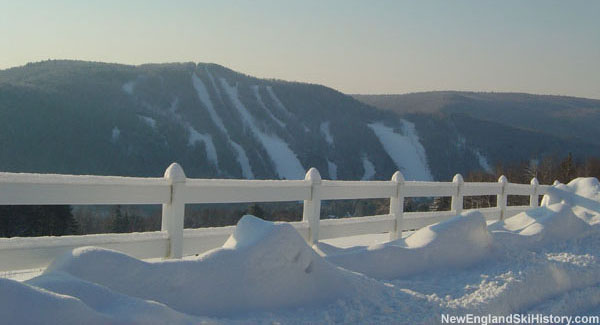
213	83
327	133
405	150
115	134
483	161
264	107
277	102
545	260
263	266
332	169
285	160
148	120
211	151
243	160
456	242
128	87
368	167
204	97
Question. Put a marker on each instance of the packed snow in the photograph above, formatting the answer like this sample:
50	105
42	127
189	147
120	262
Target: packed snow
211	151
115	134
544	260
405	150
128	87
332	169
204	97
207	102
258	97
368	167
285	160
326	133
148	121
214	84
483	161
243	160
277	102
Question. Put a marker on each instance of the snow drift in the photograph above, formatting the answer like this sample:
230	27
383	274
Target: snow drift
456	242
263	266
538	227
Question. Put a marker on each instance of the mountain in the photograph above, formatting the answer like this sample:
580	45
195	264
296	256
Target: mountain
80	117
108	119
462	131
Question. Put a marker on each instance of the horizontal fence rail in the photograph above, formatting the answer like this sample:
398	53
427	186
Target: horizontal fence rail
175	190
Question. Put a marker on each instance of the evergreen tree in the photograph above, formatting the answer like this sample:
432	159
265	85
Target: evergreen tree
256	211
36	220
567	169
120	220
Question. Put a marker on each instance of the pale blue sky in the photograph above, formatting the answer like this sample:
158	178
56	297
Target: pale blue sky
550	47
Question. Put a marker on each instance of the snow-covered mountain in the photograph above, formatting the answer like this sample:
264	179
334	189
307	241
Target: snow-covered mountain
96	118
463	131
82	117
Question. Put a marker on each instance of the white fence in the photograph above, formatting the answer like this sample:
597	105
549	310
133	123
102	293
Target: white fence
174	191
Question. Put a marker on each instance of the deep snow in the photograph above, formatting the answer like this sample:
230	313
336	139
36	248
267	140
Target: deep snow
543	260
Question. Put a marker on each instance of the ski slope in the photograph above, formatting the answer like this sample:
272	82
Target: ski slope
285	160
405	150
204	97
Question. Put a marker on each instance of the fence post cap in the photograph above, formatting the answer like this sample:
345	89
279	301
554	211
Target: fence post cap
175	173
398	177
458	179
313	176
502	179
534	181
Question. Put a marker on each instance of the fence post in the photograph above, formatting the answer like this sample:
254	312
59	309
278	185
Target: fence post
312	208
502	198
173	212
397	206
534	199
457	199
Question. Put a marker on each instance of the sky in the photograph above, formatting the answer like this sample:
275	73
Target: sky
366	47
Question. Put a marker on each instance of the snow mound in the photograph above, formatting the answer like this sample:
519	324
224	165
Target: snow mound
49	307
582	194
263	266
539	227
457	242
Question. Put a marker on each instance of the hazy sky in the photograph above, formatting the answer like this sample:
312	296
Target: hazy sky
550	47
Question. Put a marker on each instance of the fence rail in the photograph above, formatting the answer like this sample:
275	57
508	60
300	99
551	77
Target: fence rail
174	191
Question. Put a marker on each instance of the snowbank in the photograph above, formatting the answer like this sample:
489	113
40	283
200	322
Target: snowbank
539	227
582	194
263	266
457	242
